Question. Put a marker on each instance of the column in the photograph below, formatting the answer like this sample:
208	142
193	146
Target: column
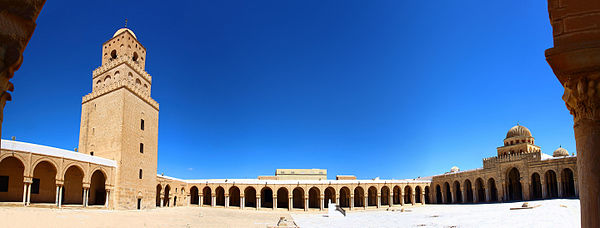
488	195
463	193
87	197
107	198
213	201
274	202
412	198
28	194
306	204
390	200
290	203
200	200
322	199
544	190
84	200
378	200
25	193
56	195
162	200
423	199
60	196
444	200
560	188
525	190
476	195
366	201
226	201
402	198
258	203
337	198
189	199
242	202
351	201
576	188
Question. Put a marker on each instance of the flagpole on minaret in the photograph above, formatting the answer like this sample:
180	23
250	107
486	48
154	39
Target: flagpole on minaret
125	22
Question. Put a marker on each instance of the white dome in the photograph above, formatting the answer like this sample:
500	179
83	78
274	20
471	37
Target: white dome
560	152
121	30
454	169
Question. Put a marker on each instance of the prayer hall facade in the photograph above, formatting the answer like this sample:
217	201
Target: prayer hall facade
115	165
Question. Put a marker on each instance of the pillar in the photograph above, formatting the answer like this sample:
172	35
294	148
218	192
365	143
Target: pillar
423	199
351	201
84	202
488	195
200	200
28	194
56	195
60	196
274	202
306	204
258	202
337	199
390	200
378	200
574	60
87	197
365	201
189	199
213	201
544	190
576	188
322	199
25	193
242	202
107	198
412	198
560	188
226	201
463	193
525	187
290	203
401	199
162	200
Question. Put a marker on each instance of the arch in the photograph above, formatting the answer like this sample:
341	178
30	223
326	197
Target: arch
493	190
250	197
166	193
329	196
359	197
568	183
551	184
427	195
447	193
536	186
372	196
314	196
194	199
72	192
418	194
234	196
135	56
130	76
158	190
138	82
396	197
298	198
43	188
515	191
407	195
107	79
282	198
480	189
206	196
113	54
468	191
385	195
266	197
13	169
438	194
345	197
220	200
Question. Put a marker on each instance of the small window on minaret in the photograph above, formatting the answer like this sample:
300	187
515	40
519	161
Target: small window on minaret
141	148
92	153
142	124
140	173
135	56
113	54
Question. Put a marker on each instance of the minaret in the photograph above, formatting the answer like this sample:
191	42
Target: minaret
119	121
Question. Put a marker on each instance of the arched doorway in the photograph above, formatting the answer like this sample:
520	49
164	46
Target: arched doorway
551	184
427	195
396	196
447	193
568	183
220	201
479	187
250	197
345	197
313	198
468	191
372	196
194	199
407	195
515	191
43	188
234	196
359	197
282	198
438	194
493	190
536	186
11	170
385	195
72	192
329	196
457	192
298	198
166	193
418	194
97	189
206	196
266	197
158	190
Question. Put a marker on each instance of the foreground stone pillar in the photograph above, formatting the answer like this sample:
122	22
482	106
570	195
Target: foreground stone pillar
365	201
575	60
60	196
25	194
544	191
242	202
213	201
162	200
290	203
422	199
306	204
274	202
412	198
200	200
258	203
322	205
28	194
351	202
226	201
107	199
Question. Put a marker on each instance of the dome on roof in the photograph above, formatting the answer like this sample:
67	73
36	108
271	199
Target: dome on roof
454	169
518	131
123	30
560	152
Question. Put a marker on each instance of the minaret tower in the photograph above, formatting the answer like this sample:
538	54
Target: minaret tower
119	121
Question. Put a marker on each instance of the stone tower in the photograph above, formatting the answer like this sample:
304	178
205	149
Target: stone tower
119	121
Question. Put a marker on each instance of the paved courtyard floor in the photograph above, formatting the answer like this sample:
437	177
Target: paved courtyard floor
551	213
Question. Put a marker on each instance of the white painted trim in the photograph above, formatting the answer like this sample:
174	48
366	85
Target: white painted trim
55	152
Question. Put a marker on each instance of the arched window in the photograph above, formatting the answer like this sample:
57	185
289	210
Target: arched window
107	79
137	81
113	54
130	76
135	56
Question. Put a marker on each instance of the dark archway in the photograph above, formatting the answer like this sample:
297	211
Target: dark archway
158	190
43	188
515	191
12	169
359	197
194	199
298	198
313	198
493	190
372	196
407	195
568	183
72	192
457	192
418	194
282	198
396	197
266	197
220	200
551	184
97	195
438	194
468	191
234	196
447	193
345	197
250	197
536	186
427	195
385	195
206	196
329	196
166	196
480	189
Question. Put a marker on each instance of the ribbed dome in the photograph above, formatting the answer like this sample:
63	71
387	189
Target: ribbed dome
121	30
454	169
518	131
560	152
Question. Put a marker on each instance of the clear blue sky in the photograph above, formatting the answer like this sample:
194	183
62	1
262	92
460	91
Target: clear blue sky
395	89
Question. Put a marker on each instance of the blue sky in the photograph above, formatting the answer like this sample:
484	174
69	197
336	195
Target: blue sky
395	89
